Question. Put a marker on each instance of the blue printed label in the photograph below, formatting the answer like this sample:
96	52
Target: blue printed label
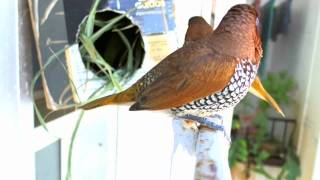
152	16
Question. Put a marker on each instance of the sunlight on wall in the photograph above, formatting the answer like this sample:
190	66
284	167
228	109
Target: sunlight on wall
298	52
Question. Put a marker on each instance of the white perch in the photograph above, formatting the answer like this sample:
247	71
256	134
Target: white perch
212	150
203	153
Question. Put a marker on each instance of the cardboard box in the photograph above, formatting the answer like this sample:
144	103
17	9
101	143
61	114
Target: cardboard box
55	25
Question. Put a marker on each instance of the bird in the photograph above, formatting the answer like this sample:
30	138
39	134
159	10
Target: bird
198	28
204	76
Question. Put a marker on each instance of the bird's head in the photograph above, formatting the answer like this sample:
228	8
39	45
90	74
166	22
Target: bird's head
241	23
242	18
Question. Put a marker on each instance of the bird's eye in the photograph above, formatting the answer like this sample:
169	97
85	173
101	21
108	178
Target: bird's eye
257	22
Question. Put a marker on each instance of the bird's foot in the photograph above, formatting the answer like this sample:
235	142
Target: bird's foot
219	117
190	125
209	122
205	121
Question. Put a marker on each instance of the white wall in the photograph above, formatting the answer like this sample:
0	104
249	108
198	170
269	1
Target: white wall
16	123
299	52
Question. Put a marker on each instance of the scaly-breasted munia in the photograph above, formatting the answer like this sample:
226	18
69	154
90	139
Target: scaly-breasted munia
204	76
198	28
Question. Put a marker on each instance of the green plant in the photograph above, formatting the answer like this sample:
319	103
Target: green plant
238	152
281	86
291	169
252	144
87	37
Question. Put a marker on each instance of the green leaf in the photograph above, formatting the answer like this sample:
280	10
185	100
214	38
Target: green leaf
236	124
261	122
96	57
74	133
280	86
33	83
260	157
238	152
91	19
130	54
262	171
291	169
110	25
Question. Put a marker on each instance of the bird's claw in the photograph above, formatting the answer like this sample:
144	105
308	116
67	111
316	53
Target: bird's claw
208	122
190	125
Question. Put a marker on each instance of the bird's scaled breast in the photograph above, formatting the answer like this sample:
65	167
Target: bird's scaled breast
229	96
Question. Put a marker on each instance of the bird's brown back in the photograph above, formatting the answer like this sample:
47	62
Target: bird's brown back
202	68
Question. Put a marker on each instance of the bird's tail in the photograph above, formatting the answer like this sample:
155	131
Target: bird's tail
122	97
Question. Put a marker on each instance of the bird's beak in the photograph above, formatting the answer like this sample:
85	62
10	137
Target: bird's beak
258	90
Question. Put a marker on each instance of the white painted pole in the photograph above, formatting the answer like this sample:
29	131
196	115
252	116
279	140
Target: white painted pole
203	154
212	147
17	122
212	150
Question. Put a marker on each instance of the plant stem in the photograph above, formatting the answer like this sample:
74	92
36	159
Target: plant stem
74	133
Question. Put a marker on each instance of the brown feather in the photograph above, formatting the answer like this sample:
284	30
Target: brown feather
195	33
208	63
123	97
178	85
197	28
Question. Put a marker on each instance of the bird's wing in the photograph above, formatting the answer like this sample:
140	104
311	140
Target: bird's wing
188	74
